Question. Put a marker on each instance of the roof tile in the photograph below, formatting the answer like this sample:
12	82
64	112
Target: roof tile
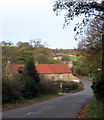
46	68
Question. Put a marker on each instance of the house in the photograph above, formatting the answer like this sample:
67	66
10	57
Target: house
58	56
55	71
49	71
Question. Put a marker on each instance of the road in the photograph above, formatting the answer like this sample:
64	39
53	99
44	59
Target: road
66	106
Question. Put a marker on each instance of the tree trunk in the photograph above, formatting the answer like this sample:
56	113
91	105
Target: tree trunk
103	53
102	49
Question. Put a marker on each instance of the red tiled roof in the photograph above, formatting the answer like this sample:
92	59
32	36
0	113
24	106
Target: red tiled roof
53	68
15	67
46	68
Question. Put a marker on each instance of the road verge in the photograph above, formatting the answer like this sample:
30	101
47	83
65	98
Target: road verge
94	109
28	102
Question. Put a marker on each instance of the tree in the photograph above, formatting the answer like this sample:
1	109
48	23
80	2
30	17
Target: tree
87	8
42	55
9	53
78	7
24	53
30	79
36	43
98	87
93	35
42	59
6	43
23	44
65	58
90	45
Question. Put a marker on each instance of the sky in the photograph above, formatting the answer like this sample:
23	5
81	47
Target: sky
24	20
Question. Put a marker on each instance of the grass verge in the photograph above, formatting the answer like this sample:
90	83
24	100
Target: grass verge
95	109
27	101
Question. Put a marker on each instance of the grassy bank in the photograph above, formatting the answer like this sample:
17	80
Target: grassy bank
95	109
26	101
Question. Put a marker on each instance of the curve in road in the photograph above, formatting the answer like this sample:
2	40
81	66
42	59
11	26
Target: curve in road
66	106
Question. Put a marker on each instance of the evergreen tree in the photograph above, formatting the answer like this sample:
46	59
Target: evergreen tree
30	79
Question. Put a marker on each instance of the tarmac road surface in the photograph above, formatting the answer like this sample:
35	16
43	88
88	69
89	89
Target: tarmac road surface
66	106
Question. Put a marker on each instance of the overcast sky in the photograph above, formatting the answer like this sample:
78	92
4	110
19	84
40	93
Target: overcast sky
23	20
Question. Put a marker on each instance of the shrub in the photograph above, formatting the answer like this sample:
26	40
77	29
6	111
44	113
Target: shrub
47	87
98	87
65	58
10	90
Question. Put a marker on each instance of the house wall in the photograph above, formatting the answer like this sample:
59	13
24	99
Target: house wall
57	57
55	77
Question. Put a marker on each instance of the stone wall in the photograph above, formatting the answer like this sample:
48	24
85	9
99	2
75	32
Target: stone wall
55	77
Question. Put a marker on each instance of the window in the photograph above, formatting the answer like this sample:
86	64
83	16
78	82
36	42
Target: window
60	75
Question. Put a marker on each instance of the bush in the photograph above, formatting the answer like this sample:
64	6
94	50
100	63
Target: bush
10	90
98	87
65	58
69	86
51	61
47	87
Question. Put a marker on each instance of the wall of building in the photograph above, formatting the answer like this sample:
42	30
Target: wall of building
55	77
57	58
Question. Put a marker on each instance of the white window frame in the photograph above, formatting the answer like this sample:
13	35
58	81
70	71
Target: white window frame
61	75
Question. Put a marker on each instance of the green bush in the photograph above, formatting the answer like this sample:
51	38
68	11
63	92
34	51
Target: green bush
10	90
47	87
98	87
65	58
